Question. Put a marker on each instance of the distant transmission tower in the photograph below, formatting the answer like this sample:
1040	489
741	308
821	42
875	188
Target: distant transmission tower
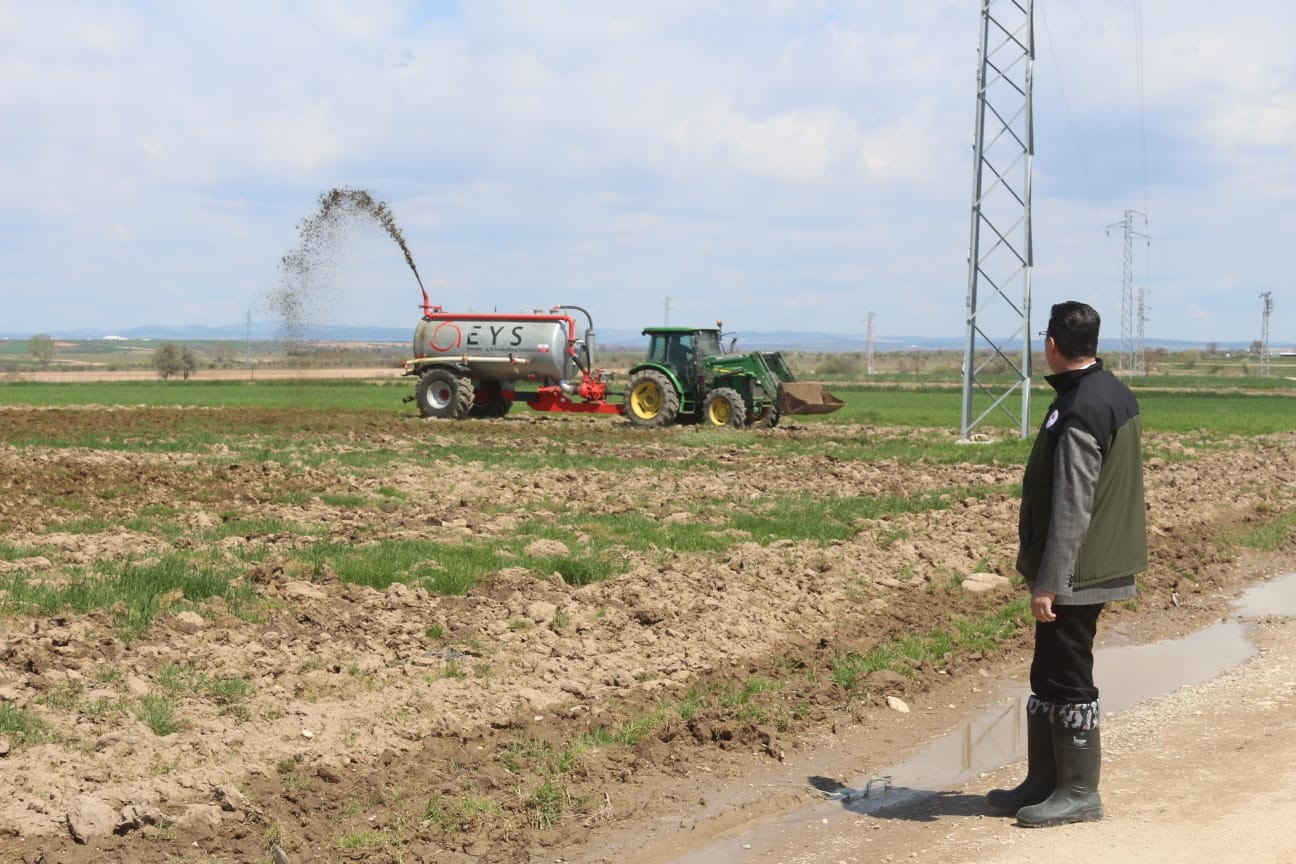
869	353
1003	147
1264	334
1134	308
666	306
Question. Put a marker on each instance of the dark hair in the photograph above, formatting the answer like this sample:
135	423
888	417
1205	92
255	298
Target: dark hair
1074	328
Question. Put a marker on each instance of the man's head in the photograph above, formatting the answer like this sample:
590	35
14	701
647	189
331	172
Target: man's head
1073	329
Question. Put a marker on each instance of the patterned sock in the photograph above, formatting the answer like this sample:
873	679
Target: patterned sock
1083	716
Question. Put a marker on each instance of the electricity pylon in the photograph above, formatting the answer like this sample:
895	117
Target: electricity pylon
1264	334
869	353
1004	146
1133	356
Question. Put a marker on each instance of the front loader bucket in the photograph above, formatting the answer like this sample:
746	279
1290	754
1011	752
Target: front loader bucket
804	397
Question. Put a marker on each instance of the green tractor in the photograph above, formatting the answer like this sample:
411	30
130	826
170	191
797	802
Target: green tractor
687	377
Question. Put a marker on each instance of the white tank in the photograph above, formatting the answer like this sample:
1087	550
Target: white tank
538	348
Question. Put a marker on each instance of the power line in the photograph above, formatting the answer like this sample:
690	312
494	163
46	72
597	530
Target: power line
1143	173
1138	62
1066	110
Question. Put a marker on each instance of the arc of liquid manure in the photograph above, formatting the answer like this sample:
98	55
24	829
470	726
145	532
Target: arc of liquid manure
361	201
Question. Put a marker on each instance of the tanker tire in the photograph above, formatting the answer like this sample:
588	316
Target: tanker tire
443	394
651	401
496	404
724	408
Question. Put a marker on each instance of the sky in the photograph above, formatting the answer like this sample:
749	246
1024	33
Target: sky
778	164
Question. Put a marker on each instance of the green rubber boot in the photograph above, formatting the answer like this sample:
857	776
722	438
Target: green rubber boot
1041	769
1078	753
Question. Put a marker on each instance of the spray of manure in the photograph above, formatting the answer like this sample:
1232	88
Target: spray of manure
304	273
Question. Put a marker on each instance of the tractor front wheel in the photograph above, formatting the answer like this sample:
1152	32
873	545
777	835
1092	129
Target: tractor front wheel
651	400
766	418
444	394
724	407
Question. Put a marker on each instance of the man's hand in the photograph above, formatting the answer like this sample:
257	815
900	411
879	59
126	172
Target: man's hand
1042	605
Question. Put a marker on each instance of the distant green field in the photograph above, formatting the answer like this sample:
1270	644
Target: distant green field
327	394
1224	410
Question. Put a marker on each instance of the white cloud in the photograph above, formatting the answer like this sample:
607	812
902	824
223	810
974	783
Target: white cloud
794	162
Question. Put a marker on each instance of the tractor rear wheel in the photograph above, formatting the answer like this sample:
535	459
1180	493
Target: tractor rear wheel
651	400
444	394
724	407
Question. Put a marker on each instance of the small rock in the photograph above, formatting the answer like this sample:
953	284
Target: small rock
541	612
135	816
886	681
5	746
547	549
189	622
199	818
89	817
300	590
230	799
895	703
980	583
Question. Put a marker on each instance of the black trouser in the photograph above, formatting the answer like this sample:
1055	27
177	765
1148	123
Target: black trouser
1062	668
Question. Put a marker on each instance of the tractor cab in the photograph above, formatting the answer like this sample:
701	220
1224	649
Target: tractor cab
681	349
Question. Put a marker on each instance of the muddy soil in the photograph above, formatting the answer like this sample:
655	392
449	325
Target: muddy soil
397	725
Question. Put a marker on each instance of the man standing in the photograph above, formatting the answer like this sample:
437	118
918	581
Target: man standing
1083	535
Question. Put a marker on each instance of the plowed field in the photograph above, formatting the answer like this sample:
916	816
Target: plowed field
593	633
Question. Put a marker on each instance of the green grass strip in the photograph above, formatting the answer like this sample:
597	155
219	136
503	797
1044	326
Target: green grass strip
1270	536
22	727
133	589
900	655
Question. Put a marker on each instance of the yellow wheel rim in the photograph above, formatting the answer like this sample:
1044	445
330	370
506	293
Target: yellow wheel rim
646	400
720	412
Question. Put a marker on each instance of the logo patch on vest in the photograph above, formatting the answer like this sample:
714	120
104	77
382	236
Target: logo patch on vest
1052	418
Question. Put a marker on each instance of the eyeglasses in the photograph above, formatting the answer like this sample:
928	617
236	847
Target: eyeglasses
1043	334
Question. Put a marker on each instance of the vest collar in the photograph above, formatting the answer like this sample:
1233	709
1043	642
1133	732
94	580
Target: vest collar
1064	381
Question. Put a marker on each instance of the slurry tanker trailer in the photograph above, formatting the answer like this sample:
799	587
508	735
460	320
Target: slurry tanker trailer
470	365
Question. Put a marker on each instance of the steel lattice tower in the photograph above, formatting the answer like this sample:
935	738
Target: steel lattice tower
1264	334
870	343
999	271
1133	356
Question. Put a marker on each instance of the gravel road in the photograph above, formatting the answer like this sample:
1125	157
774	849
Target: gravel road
1206	773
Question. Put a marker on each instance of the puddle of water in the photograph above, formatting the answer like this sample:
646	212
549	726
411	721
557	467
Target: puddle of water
1126	675
1275	597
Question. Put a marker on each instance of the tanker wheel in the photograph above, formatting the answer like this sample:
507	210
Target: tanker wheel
444	394
724	407
496	404
651	400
